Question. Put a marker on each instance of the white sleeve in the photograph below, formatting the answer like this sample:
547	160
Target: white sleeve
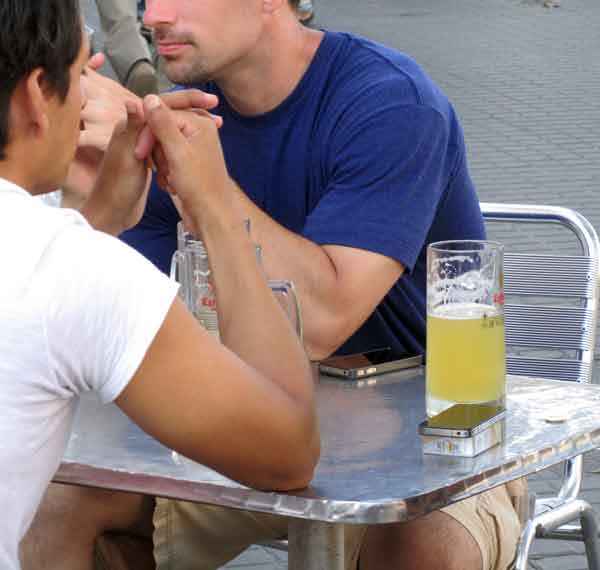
103	305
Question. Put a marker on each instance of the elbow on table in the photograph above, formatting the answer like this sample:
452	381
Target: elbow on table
294	466
320	344
328	328
304	473
297	471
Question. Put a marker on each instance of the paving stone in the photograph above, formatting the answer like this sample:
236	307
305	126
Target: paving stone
544	548
569	562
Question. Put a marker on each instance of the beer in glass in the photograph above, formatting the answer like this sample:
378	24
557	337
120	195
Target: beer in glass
465	325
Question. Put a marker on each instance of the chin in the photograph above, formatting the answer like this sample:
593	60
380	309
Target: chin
184	75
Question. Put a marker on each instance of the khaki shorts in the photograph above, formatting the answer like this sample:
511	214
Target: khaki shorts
189	536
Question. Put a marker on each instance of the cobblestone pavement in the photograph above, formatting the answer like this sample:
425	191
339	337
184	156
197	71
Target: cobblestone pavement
525	80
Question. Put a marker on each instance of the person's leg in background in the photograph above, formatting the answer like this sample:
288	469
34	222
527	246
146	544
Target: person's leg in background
125	47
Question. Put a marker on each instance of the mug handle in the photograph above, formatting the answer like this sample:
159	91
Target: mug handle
285	293
176	272
176	260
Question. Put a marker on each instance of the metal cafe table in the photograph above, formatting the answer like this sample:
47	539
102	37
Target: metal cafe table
372	469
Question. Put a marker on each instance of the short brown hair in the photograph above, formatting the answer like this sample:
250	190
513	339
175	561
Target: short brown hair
295	3
36	33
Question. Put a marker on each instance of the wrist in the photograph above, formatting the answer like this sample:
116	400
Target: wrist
101	216
216	210
71	199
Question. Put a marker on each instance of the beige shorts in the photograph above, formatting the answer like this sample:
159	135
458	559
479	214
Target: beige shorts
190	536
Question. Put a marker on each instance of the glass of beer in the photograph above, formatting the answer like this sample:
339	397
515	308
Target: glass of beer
465	325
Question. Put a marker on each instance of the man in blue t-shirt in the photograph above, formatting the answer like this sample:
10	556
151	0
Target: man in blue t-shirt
348	161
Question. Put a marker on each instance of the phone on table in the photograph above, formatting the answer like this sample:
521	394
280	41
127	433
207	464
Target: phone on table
369	363
462	420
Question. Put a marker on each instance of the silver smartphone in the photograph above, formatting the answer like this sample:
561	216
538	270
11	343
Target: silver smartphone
462	420
369	363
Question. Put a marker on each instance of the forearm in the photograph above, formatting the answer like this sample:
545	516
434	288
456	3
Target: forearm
287	255
100	217
251	322
117	201
69	199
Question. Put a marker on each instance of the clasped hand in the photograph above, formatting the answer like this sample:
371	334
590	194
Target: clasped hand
122	137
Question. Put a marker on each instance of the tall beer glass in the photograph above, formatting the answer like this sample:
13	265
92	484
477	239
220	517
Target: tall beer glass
465	325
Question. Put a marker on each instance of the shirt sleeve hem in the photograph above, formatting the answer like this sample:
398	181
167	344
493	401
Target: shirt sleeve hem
136	351
397	250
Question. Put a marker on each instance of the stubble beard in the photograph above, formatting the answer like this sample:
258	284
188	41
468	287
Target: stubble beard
187	74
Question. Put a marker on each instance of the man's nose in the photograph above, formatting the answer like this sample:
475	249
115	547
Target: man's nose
159	12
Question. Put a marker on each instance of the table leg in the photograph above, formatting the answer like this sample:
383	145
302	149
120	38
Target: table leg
315	545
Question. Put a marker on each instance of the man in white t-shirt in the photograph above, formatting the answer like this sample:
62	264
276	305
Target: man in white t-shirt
81	312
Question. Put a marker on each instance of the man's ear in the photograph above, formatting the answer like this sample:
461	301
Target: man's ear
36	99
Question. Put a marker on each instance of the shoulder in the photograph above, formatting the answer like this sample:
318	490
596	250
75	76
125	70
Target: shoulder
36	225
364	68
102	305
95	252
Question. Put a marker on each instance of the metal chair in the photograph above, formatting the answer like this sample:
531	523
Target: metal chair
551	326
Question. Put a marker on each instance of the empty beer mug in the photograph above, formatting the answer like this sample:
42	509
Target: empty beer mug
465	325
191	268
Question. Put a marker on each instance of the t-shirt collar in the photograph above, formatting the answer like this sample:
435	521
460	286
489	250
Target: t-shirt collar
8	186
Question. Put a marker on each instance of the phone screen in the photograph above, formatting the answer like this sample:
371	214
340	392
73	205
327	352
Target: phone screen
464	416
352	361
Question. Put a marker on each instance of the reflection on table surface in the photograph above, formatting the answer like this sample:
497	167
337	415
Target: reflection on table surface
372	468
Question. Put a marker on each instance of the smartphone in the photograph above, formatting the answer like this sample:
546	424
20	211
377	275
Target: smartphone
462	420
364	364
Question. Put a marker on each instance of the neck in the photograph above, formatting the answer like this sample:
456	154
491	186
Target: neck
15	169
16	178
268	75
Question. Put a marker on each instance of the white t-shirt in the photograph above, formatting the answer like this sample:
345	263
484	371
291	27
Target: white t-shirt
78	311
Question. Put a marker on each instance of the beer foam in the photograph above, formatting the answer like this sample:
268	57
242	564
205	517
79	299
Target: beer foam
462	279
464	311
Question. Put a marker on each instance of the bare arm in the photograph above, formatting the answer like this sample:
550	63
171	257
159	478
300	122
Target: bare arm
198	397
249	414
339	287
118	197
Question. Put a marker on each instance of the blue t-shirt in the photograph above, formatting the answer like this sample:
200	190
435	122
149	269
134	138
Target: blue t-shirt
366	152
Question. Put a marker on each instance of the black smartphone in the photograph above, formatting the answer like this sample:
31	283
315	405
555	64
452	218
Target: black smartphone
462	420
369	363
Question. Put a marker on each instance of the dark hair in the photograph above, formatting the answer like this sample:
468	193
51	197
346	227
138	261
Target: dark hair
294	3
44	34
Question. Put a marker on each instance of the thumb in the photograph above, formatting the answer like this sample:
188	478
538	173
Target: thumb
128	127
164	126
96	61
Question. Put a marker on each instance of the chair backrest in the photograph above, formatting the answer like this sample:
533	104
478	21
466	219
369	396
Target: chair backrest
552	303
552	300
